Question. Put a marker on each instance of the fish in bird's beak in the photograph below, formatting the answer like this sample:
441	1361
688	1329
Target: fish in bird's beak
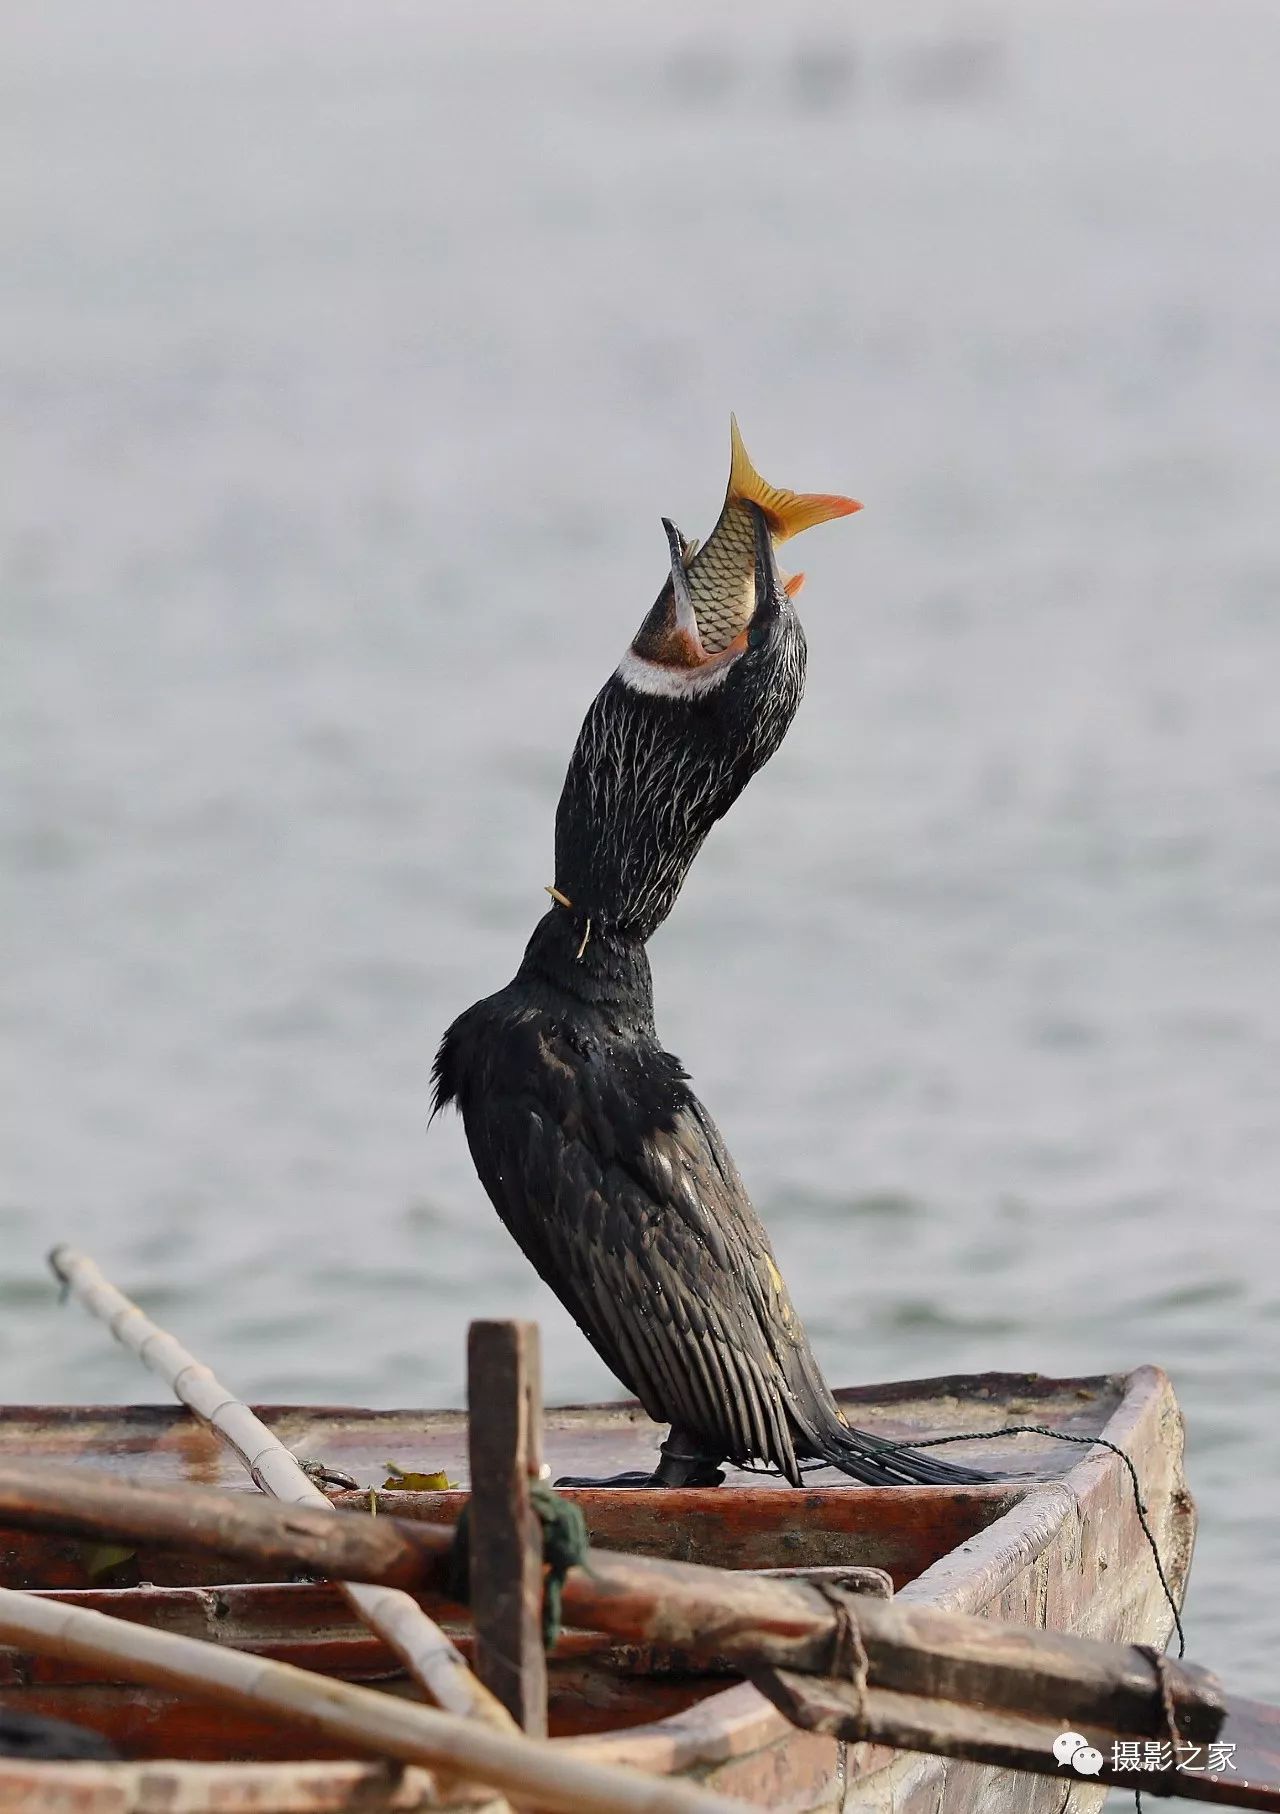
698	704
707	608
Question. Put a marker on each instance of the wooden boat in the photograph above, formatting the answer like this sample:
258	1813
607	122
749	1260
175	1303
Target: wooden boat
1057	1543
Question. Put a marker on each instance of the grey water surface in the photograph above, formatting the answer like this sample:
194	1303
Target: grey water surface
349	355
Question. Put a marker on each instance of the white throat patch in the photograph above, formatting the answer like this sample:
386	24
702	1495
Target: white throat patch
662	682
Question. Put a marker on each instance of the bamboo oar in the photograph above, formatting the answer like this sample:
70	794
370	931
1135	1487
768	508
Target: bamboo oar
428	1655
535	1772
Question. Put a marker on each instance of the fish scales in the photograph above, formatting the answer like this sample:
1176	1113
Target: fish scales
722	572
722	580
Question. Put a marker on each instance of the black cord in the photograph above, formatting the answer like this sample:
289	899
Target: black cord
1038	1429
1087	1442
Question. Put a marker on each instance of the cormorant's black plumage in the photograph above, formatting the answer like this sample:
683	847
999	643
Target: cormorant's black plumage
614	1180
597	1155
650	775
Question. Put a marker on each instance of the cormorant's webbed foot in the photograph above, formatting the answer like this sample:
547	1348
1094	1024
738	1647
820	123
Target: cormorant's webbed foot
683	1464
637	1477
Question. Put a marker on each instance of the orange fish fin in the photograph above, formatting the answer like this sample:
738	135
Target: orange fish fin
792	584
788	512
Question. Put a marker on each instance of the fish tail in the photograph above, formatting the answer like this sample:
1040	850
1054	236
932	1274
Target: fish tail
787	512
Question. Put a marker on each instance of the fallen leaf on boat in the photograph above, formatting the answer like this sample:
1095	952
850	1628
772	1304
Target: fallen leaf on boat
103	1557
405	1480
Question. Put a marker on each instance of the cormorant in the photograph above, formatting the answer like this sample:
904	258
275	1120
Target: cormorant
596	1153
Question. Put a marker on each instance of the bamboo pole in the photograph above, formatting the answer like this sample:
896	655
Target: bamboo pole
429	1656
535	1773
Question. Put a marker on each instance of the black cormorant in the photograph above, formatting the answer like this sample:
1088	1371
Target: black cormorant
597	1155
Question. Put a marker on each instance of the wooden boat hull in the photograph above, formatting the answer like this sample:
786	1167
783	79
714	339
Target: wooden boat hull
1058	1546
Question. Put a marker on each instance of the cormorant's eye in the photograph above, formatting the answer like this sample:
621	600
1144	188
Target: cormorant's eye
756	635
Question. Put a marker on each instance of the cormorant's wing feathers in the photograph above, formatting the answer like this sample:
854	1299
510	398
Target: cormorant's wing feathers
637	1219
653	1247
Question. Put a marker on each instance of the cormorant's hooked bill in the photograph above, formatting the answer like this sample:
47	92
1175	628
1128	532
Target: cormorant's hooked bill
769	591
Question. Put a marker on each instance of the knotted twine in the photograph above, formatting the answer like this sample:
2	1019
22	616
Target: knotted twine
564	1546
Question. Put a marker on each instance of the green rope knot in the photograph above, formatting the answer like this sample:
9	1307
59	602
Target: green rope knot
564	1546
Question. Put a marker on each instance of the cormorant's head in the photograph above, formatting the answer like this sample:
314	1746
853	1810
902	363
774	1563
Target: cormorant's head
730	662
681	651
701	700
671	741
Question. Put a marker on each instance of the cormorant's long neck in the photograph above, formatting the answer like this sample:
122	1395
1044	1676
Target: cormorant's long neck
603	971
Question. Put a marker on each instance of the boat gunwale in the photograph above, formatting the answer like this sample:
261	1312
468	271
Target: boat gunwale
964	1386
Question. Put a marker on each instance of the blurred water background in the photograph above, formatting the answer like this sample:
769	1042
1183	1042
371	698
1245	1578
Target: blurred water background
348	357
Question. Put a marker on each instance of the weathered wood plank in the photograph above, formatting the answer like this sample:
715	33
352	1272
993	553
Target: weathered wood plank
504	1402
1017	1742
1072	1556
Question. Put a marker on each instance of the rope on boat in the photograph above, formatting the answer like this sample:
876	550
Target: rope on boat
849	1659
564	1546
1039	1429
1155	1656
1087	1442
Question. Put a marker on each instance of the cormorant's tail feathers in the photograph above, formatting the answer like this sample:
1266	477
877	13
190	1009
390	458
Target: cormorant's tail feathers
876	1462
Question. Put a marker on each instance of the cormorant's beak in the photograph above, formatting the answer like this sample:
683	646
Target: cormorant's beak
769	588
671	635
686	616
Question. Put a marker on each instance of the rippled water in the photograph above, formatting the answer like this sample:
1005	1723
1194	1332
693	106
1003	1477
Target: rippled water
348	356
